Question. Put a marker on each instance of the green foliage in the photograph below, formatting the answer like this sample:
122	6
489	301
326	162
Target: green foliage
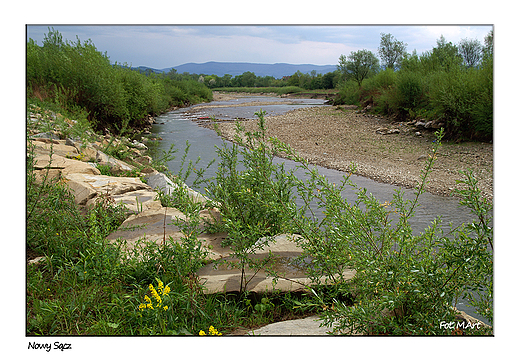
349	93
76	74
359	65
453	84
465	100
255	202
391	51
404	283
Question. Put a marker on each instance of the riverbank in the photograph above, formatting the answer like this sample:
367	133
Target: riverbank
385	151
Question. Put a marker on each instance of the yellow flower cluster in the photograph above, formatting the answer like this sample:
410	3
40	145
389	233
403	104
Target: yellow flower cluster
161	290
212	332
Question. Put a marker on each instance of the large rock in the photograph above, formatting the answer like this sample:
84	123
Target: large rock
309	326
156	225
130	191
160	181
284	252
116	165
65	165
46	145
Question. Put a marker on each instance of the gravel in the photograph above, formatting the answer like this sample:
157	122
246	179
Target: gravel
336	137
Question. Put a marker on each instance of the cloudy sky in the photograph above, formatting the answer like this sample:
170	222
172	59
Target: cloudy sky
162	46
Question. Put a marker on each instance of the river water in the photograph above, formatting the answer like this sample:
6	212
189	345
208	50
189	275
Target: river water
180	126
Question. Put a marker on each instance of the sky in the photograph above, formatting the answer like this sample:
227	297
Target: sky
163	46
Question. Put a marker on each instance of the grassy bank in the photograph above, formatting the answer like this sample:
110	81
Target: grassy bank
79	78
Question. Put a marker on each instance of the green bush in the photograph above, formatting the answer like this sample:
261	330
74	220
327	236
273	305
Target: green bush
114	96
349	93
255	202
465	100
410	90
404	284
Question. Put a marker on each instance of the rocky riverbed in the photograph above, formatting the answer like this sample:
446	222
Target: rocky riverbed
383	150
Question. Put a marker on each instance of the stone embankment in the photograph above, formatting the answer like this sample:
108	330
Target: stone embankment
77	164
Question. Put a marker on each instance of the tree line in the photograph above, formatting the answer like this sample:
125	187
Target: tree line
309	81
78	77
452	83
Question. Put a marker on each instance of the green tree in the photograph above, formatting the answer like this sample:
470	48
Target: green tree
471	52
358	65
488	46
391	51
444	57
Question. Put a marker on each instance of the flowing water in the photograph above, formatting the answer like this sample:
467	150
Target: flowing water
180	126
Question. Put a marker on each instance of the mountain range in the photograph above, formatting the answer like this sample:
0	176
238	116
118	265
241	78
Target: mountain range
277	70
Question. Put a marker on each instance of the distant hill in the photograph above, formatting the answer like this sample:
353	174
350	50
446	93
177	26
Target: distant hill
277	70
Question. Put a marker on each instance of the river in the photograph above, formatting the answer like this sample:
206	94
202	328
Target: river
180	125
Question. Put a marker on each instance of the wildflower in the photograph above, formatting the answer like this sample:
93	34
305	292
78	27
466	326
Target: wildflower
156	295
202	333
166	290
165	308
160	285
214	331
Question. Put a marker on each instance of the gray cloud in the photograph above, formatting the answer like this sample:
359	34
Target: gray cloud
162	46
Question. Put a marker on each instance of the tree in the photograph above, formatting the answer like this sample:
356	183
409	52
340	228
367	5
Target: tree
446	54
360	65
391	51
488	45
471	52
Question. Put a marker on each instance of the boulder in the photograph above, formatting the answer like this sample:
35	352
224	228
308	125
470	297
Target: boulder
65	165
159	181
284	252
131	192
46	146
115	164
137	201
156	225
309	326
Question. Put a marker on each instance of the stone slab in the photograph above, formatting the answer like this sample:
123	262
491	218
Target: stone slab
65	165
309	326
159	181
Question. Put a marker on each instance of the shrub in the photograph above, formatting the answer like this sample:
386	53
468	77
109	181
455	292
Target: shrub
114	96
255	202
465	100
349	93
404	284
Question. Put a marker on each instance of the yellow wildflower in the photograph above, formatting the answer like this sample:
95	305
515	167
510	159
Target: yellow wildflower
202	333
160	285
165	308
166	290
156	295
214	331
